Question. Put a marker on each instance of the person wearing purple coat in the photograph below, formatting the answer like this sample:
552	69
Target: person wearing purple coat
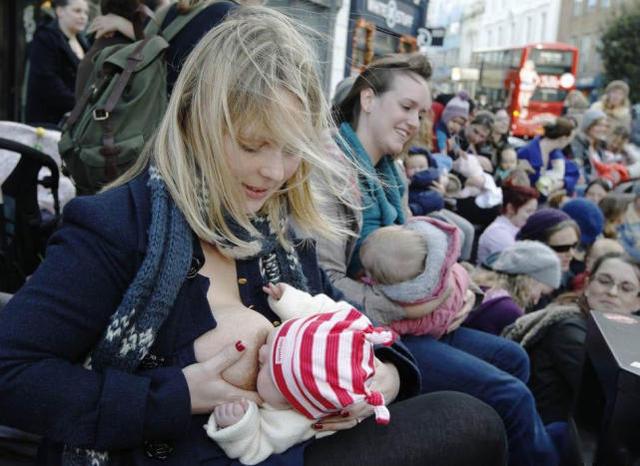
515	279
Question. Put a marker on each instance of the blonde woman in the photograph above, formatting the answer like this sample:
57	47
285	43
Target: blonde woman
148	310
515	279
615	104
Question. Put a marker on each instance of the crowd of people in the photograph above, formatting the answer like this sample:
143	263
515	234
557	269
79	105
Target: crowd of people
389	279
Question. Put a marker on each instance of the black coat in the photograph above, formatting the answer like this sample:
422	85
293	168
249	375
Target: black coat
556	368
52	75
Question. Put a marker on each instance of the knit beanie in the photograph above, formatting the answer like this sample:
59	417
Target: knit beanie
531	258
457	107
589	218
540	222
443	242
323	363
617	84
590	117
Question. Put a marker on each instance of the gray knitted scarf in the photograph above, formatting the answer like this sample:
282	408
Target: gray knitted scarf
150	297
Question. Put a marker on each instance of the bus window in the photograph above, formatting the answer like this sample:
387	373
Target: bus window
545	94
551	61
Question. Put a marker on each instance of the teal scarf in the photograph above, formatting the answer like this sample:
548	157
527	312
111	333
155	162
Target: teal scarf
381	188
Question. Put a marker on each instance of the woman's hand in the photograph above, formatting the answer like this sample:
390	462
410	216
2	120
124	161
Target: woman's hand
106	25
386	380
208	389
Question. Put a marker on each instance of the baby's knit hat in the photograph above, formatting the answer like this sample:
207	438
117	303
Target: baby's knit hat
540	222
443	240
589	218
323	363
457	107
531	258
590	117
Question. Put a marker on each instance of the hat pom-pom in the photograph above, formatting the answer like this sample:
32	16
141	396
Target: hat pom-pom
381	336
380	411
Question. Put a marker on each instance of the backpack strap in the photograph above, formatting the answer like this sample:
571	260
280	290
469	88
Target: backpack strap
154	25
180	22
109	149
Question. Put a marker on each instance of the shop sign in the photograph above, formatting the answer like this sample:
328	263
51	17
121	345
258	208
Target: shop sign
392	12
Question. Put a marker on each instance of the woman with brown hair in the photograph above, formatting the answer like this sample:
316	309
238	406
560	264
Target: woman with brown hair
377	119
544	153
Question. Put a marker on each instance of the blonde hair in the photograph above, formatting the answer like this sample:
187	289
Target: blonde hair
517	286
393	254
254	74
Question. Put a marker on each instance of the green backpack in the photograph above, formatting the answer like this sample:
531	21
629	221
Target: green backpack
121	107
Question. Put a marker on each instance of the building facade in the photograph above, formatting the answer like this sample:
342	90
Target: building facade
583	22
511	23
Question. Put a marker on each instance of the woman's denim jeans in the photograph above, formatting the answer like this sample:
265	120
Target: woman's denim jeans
494	370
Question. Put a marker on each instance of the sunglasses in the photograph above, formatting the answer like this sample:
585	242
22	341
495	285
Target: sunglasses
563	247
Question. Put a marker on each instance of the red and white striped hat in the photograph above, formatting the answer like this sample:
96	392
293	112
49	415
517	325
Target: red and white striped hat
321	363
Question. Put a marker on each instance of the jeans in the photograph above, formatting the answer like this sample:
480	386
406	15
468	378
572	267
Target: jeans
439	429
495	371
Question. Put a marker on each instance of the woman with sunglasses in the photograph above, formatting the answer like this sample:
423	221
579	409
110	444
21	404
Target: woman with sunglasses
554	337
556	229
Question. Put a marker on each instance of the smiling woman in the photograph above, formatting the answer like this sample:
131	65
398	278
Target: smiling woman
149	310
554	337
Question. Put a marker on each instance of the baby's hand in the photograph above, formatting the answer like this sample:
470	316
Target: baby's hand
228	414
274	291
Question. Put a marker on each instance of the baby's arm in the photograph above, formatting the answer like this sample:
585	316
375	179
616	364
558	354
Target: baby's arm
260	433
289	302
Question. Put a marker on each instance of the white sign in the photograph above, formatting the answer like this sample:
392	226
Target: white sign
390	12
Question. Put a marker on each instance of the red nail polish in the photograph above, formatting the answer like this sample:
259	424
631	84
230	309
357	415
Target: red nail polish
317	426
344	413
240	346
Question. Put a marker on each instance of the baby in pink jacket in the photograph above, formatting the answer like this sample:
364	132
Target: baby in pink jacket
415	264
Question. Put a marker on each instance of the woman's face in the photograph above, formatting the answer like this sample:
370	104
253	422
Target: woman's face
599	130
537	290
596	193
260	166
564	242
73	17
477	134
455	125
614	287
501	122
616	97
519	218
393	118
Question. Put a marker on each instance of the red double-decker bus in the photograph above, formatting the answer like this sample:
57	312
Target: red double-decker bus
531	81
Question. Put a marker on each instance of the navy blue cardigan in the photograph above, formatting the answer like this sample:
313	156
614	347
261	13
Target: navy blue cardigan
50	326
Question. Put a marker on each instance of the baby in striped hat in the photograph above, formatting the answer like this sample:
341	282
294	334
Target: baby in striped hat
316	364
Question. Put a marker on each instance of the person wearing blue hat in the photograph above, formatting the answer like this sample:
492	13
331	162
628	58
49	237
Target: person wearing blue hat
589	218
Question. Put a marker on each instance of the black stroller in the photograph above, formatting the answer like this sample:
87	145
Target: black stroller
24	228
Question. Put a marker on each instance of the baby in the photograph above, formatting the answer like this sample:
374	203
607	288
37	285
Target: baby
416	264
301	379
507	162
479	184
